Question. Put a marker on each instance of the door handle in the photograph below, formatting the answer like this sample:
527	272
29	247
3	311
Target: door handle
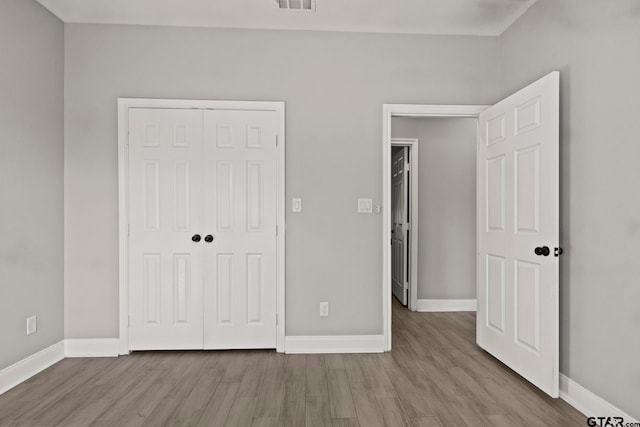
196	238
209	238
542	251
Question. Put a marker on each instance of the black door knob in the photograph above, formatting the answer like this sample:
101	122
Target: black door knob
208	238
542	251
196	238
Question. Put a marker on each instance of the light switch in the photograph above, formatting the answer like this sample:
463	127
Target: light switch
296	205
324	309
365	205
32	325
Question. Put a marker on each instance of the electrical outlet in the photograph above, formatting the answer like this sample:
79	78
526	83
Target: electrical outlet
32	325
324	309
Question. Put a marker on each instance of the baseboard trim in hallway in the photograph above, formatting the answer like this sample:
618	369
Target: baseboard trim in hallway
26	368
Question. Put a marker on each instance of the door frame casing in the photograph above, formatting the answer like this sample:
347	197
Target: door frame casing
388	112
414	163
124	104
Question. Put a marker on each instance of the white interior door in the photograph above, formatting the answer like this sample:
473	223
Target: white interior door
518	232
166	211
240	198
400	225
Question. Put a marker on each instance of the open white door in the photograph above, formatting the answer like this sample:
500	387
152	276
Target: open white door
518	232
400	225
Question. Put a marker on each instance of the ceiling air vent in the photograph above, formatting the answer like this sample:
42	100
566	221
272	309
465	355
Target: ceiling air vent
306	5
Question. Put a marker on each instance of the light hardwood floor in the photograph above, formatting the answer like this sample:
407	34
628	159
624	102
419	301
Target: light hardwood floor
435	377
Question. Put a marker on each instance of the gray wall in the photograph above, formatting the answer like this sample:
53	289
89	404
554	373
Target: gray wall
595	46
31	187
447	204
334	85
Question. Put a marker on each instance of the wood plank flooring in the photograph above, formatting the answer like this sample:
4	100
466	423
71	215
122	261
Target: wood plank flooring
435	376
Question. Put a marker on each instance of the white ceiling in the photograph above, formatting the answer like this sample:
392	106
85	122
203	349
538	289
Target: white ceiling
468	17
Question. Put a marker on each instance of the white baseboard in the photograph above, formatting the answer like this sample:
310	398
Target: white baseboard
425	305
28	367
100	347
589	403
334	344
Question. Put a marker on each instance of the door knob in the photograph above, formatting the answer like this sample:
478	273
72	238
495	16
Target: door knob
208	238
542	251
196	238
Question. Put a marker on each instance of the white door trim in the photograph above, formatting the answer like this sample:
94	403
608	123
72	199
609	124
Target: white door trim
413	145
403	110
123	185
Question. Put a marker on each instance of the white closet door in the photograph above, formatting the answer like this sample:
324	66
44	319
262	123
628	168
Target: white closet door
399	228
166	211
518	232
240	203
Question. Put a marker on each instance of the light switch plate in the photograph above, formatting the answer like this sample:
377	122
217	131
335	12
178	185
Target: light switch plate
32	325
296	205
365	205
324	309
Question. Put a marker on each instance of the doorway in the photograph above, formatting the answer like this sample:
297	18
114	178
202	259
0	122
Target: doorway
391	111
445	201
517	232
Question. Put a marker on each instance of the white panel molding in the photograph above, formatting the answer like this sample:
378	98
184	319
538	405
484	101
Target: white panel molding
21	371
589	403
97	347
325	344
427	305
